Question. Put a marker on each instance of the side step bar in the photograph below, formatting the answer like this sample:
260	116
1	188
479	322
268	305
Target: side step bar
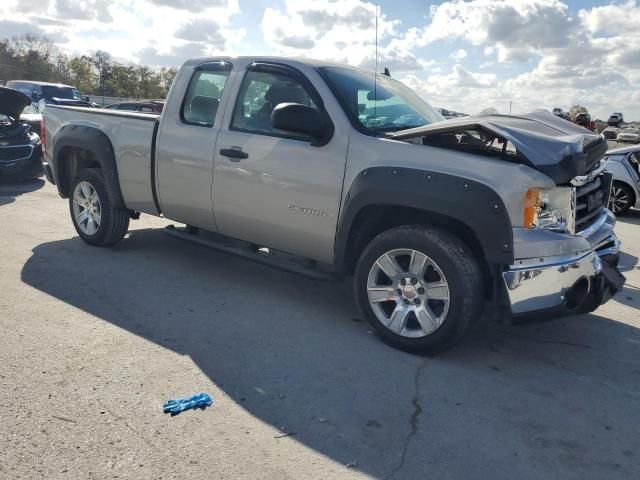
244	251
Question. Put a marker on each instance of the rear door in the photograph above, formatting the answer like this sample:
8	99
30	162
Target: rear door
185	145
273	187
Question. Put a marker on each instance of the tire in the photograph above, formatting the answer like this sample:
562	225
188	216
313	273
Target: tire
448	312
98	223
622	198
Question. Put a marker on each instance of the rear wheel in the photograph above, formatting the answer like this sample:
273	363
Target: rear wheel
622	198
420	288
94	217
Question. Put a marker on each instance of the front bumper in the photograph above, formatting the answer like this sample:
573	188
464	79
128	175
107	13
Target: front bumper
568	283
30	166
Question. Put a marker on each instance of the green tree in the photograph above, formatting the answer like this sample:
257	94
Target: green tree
33	57
488	111
102	63
81	74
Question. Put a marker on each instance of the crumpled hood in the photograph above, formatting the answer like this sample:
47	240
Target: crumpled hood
12	102
552	145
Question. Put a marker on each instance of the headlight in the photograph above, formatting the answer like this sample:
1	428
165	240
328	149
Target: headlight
551	209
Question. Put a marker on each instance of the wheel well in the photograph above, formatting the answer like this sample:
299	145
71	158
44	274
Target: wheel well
372	220
70	161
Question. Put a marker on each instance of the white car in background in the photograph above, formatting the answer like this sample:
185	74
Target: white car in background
629	135
624	164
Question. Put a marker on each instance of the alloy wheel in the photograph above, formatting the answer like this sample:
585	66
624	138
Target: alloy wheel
408	293
87	210
619	200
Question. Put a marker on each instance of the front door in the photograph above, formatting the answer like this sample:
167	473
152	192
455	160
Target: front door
273	187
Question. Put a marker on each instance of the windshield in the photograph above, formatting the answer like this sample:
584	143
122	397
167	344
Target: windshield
30	109
65	93
382	106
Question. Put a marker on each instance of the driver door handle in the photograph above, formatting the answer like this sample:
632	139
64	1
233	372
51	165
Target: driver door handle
234	153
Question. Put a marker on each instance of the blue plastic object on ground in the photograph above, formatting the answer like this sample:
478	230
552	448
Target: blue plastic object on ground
200	400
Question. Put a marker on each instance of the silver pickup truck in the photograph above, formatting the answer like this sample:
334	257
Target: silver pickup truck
354	173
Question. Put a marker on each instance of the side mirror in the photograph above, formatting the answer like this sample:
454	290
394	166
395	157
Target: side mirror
295	117
42	105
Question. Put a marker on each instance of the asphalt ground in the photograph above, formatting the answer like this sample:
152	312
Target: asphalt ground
94	341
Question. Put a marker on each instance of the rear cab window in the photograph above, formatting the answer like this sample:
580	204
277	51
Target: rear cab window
201	102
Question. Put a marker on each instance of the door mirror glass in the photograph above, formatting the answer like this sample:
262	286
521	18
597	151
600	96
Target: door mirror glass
42	105
298	118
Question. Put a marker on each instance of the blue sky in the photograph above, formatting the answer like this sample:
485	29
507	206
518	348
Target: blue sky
465	55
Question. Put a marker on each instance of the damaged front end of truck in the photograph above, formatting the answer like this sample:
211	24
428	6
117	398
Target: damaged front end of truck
582	273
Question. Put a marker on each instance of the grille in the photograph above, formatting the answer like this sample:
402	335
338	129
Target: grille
591	199
15	153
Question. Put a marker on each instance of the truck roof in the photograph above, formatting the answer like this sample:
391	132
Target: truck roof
285	60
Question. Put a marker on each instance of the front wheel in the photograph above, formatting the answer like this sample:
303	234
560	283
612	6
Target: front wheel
94	217
622	198
420	288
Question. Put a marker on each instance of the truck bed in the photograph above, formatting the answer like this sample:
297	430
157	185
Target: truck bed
131	135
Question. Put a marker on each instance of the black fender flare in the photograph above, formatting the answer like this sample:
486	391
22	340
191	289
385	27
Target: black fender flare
94	141
471	203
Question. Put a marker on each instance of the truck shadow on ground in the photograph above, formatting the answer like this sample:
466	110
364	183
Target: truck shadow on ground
632	216
10	190
554	400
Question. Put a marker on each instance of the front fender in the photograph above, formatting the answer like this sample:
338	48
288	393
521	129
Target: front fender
475	205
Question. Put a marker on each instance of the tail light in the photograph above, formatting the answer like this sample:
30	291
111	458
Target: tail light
43	135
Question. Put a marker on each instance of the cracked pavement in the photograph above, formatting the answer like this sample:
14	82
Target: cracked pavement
95	340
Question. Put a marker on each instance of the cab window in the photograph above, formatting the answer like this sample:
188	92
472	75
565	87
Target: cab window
202	99
259	94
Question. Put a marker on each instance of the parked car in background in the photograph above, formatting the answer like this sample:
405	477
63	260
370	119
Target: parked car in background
616	119
610	133
144	107
558	112
51	93
584	120
449	114
624	164
32	117
629	134
20	147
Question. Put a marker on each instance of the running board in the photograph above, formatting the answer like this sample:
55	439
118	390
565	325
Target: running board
244	251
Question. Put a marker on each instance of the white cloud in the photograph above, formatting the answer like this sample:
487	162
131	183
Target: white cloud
191	5
340	30
516	28
83	10
536	53
590	56
161	32
201	30
459	54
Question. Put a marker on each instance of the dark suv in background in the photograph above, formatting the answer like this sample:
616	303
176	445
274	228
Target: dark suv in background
51	93
20	147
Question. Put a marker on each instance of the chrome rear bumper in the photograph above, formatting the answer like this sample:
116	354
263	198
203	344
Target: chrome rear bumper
567	282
